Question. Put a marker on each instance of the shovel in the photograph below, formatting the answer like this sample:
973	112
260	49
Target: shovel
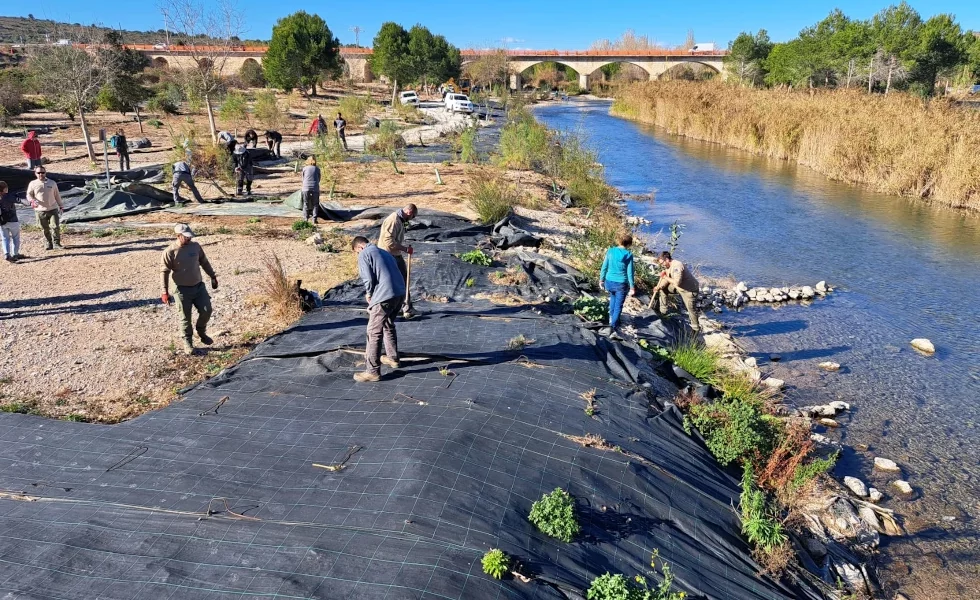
408	283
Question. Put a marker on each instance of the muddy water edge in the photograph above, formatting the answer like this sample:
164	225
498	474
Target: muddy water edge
902	270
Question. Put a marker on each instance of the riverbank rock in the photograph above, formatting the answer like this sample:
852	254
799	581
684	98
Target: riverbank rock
875	495
824	410
821	287
857	486
923	345
903	487
828	422
839	405
774	383
885	464
828	365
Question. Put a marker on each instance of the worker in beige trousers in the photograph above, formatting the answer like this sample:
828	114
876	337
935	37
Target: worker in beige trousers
45	198
392	240
183	261
676	279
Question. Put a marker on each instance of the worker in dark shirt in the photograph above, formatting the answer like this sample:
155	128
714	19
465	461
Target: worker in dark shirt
274	140
341	126
251	138
243	170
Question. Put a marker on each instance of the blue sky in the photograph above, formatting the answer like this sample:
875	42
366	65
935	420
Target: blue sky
541	24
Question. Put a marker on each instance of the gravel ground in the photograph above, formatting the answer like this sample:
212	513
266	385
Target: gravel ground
83	331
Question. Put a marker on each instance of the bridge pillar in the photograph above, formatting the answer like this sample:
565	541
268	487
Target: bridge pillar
583	81
515	81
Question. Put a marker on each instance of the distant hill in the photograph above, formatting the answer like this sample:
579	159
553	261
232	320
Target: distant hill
25	30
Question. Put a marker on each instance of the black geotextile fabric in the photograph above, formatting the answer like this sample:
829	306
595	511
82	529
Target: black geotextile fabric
18	179
282	477
127	199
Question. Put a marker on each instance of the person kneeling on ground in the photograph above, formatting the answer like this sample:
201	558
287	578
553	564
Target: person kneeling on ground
243	170
274	141
616	277
385	292
183	260
251	138
183	174
310	192
676	280
392	240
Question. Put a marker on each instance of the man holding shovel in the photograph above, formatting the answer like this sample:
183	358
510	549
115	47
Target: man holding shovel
392	240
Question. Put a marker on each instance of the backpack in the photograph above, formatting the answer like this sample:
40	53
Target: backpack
113	140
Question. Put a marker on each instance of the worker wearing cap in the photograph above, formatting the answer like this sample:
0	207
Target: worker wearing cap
183	261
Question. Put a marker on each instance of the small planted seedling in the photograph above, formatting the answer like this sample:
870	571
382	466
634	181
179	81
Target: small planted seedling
518	343
590	403
470	282
476	257
495	563
554	515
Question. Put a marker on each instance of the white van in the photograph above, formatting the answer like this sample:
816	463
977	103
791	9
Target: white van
409	97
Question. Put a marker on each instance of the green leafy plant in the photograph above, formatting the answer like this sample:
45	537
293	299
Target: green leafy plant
518	343
302	225
554	515
806	472
734	431
476	257
470	282
618	587
591	309
495	563
676	229
388	143
492	197
759	522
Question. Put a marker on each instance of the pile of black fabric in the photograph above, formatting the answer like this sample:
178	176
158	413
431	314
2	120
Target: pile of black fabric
507	235
127	199
283	477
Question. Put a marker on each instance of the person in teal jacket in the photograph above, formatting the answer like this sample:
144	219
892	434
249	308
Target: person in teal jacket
616	276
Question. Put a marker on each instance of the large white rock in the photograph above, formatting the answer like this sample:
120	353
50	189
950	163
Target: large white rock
821	286
829	365
774	383
856	485
807	292
741	287
923	345
875	495
903	487
885	464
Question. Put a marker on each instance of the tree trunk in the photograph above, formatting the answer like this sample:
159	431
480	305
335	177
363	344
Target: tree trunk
139	119
888	83
850	69
313	88
211	124
88	142
394	92
871	74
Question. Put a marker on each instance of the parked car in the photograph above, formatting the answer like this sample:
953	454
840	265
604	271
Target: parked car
458	103
409	97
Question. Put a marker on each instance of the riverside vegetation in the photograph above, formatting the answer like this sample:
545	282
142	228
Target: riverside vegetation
896	144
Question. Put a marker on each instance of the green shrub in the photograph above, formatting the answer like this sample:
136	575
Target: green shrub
155	123
492	197
267	111
578	166
735	431
234	109
476	257
467	146
554	515
328	149
618	587
524	143
387	142
573	88
495	563
355	109
759	522
589	249
302	225
161	104
591	308
251	74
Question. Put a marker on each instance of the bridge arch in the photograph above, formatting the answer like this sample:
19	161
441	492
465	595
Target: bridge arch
159	62
689	69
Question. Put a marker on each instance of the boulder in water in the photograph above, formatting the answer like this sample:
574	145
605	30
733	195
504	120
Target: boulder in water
857	486
903	487
923	345
885	464
828	365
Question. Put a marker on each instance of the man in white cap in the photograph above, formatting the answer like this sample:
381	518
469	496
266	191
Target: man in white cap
183	261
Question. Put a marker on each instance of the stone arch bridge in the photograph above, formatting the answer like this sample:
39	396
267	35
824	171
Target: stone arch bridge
584	62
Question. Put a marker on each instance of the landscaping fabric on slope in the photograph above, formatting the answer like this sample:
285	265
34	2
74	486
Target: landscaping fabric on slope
282	477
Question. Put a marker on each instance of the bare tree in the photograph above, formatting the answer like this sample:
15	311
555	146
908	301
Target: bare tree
72	74
207	35
888	68
492	66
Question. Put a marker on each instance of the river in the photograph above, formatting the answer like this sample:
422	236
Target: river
902	270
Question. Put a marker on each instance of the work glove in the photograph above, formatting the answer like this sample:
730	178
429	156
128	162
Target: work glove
410	250
214	283
165	298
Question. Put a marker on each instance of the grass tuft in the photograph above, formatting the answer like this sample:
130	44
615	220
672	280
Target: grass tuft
279	291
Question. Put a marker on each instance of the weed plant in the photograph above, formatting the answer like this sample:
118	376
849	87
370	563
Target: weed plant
759	521
467	146
592	309
692	356
495	563
524	143
388	143
476	257
268	112
279	291
492	197
355	109
554	515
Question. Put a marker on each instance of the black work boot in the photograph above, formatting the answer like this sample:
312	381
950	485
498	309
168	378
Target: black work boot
207	341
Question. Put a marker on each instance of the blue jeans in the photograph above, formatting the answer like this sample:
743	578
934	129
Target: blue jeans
10	237
617	296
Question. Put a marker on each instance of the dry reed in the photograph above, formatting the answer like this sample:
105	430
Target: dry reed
895	144
280	293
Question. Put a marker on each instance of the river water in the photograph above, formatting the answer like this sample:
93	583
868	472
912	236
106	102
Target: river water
902	270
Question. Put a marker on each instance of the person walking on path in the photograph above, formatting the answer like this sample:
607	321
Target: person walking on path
122	149
9	225
183	174
45	198
616	277
392	240
341	126
385	293
676	280
244	173
318	127
274	141
310	192
251	138
183	261
31	147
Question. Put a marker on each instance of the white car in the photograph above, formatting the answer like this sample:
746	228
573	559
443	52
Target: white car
458	103
409	97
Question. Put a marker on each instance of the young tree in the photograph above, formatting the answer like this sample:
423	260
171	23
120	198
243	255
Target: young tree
208	34
301	50
124	92
491	67
940	47
72	77
747	56
895	31
391	56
